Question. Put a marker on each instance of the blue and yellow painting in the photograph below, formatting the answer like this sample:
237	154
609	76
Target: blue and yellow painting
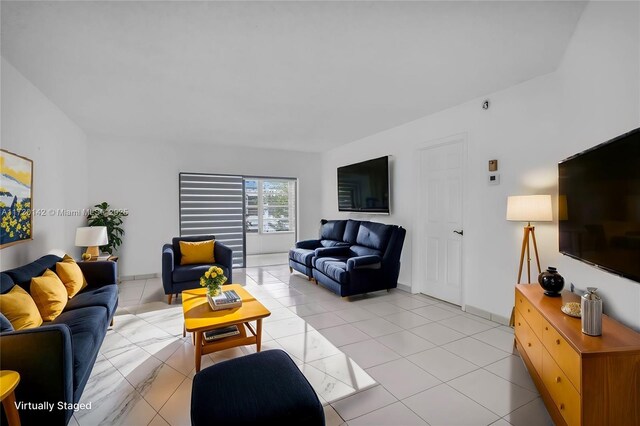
16	181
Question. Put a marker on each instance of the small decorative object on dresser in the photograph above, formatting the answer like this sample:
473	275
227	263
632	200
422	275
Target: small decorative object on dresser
551	281
591	308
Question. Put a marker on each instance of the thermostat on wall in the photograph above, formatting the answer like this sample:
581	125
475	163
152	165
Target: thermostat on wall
494	179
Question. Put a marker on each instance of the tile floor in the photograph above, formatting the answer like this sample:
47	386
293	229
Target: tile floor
379	359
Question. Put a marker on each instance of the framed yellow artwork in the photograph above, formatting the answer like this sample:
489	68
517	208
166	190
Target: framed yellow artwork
16	199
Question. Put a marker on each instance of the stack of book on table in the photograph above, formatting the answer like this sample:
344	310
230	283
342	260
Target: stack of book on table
221	333
225	300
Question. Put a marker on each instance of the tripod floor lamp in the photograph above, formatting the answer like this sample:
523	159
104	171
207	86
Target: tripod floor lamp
529	208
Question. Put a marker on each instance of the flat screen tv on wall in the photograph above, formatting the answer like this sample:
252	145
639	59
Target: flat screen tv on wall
599	205
364	187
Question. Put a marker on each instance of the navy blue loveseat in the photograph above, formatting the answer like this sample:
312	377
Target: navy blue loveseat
55	360
352	257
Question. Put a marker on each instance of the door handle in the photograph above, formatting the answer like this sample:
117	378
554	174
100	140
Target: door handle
460	232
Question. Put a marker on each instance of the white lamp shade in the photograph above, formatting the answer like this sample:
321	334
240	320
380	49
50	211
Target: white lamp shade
90	236
529	208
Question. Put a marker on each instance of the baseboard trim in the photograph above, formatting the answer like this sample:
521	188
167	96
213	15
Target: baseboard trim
404	287
138	277
486	315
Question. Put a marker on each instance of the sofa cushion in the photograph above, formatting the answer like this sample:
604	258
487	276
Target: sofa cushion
184	273
22	275
5	324
175	242
373	235
87	326
334	267
332	243
303	256
351	231
20	309
333	230
49	294
357	250
105	296
6	283
197	252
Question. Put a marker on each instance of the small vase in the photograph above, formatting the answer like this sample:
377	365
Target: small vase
551	281
214	291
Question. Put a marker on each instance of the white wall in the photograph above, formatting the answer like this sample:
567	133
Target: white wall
593	96
34	127
143	177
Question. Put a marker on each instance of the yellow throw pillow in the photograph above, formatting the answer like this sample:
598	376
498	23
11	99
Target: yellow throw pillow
20	309
71	275
49	294
197	252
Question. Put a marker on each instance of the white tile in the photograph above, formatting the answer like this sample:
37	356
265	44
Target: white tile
354	314
394	414
158	421
407	319
177	410
156	382
183	359
498	338
331	416
405	343
324	320
326	386
308	346
295	300
493	392
512	369
308	309
287	327
384	308
403	378
345	369
437	333
363	402
501	422
411	303
531	414
344	334
278	314
376	327
475	351
369	353
442	405
434	313
442	364
466	325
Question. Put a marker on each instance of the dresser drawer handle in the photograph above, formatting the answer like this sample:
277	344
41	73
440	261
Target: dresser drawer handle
546	328
562	406
557	341
529	344
558	379
519	324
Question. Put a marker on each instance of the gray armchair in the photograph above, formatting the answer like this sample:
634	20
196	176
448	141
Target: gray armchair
176	277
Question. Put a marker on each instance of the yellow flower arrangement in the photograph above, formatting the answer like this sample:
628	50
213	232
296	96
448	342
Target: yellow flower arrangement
213	280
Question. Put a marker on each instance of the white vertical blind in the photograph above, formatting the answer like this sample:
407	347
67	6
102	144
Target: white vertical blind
213	204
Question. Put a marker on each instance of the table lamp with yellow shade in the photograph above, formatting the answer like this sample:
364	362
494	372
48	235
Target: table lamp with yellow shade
91	237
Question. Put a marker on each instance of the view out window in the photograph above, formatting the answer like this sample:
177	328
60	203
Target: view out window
269	205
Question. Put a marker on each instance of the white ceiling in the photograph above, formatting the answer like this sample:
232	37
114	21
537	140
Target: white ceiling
292	75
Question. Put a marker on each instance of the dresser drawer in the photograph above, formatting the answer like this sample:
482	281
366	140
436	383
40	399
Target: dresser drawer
564	395
530	314
528	342
564	355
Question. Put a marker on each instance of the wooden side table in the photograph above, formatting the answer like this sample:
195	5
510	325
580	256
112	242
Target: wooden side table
8	382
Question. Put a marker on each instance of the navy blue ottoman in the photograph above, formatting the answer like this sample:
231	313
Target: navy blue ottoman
262	388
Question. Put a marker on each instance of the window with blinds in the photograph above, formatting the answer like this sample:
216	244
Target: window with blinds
214	204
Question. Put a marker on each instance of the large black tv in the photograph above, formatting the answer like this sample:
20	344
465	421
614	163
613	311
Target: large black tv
599	206
364	187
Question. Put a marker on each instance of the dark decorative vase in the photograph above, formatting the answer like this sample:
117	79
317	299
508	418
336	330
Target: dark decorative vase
551	281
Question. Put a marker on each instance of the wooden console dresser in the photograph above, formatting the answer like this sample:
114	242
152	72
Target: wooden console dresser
583	380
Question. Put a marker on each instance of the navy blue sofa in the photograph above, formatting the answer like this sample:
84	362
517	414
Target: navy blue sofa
176	277
364	258
55	360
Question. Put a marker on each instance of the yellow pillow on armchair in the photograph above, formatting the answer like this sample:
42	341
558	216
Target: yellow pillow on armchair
197	252
49	294
20	309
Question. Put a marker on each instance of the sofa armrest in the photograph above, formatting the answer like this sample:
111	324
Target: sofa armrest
333	251
364	262
44	358
224	256
99	273
168	263
308	244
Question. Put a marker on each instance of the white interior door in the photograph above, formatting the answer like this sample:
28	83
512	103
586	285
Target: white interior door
441	216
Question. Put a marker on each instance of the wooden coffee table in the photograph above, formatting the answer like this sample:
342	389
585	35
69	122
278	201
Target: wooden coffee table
199	317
